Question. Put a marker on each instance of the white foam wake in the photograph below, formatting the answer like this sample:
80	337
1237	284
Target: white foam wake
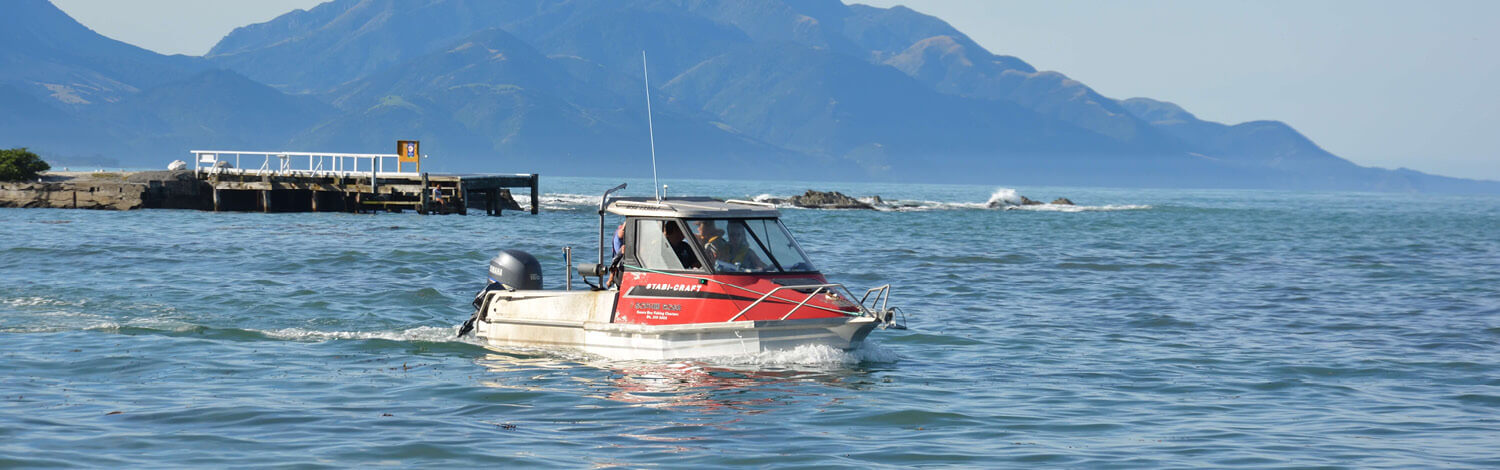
436	334
809	355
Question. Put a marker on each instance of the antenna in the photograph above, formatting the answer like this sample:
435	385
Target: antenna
651	128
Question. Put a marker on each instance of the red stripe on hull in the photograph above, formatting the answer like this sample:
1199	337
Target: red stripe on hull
665	299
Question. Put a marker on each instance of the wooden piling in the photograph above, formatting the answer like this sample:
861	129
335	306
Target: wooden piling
535	182
462	195
422	200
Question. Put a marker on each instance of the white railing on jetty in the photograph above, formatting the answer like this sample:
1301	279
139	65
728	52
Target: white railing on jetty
298	163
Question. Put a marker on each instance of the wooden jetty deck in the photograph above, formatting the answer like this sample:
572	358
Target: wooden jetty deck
331	182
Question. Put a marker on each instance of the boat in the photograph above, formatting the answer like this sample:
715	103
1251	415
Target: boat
693	277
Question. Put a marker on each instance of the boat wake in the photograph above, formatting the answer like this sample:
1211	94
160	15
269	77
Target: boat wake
432	334
809	355
51	316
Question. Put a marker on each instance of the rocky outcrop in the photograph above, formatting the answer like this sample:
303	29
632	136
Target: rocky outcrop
1011	201
508	202
827	200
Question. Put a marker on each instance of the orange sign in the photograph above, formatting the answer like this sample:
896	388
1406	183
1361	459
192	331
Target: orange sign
409	151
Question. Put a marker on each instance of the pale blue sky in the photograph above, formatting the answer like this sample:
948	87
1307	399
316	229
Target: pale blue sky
1382	83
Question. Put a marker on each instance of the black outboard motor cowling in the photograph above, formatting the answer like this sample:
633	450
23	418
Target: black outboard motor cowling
511	270
516	269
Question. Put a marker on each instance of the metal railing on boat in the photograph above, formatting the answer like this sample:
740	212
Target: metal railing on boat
876	310
817	289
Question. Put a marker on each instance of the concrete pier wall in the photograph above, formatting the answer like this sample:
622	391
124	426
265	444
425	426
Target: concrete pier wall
110	191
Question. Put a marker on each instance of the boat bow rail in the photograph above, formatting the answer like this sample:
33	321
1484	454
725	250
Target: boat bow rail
876	307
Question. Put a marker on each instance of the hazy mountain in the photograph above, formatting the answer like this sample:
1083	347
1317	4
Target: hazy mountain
45	53
1299	162
493	95
216	109
30	121
759	88
345	40
77	96
823	103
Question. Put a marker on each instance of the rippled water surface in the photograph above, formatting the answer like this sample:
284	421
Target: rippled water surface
1154	329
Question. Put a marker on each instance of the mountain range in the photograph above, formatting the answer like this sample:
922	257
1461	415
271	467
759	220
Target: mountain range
777	89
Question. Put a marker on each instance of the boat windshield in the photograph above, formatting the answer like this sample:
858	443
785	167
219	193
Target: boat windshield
749	246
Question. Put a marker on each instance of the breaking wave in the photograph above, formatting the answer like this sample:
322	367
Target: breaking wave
1004	197
560	201
1068	208
1000	199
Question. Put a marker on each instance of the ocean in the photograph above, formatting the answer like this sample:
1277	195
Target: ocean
1143	328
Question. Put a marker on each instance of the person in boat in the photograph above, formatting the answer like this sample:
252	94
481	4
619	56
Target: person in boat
680	246
712	239
620	239
619	256
737	250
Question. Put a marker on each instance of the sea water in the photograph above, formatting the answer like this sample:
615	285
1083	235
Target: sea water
1139	329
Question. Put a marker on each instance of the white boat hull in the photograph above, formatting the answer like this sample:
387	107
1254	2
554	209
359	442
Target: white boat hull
580	320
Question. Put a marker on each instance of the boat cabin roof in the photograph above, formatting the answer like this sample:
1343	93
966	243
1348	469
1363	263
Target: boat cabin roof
690	207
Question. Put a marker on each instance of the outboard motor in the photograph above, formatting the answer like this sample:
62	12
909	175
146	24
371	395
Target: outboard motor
516	270
511	270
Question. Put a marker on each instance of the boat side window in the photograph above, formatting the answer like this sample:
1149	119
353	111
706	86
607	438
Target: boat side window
662	245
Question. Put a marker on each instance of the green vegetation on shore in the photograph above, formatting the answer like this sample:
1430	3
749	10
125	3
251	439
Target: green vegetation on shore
19	164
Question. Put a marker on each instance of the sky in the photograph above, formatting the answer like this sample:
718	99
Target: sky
1379	82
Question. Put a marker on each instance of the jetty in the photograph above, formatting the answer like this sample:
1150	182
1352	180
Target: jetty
349	182
278	182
